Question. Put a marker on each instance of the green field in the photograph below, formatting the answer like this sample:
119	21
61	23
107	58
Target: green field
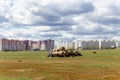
104	65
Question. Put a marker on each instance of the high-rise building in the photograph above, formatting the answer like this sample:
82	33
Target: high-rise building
47	44
107	44
90	45
11	45
66	44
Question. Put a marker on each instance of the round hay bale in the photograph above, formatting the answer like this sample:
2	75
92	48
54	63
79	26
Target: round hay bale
94	52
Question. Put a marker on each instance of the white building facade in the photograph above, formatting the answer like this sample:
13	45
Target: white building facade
107	44
66	44
90	45
96	44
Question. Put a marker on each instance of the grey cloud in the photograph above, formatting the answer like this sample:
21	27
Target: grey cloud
114	10
105	36
72	8
98	30
106	20
3	19
60	22
61	28
53	14
24	35
108	15
66	38
37	35
102	30
46	13
51	35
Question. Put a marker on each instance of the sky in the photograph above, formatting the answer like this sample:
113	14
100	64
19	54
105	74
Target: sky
60	19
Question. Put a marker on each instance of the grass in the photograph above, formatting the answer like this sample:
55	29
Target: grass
28	65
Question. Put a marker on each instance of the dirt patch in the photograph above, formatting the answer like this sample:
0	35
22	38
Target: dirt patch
10	61
39	78
22	70
37	61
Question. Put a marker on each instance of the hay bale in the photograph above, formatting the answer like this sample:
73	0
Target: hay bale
62	48
20	61
58	54
94	52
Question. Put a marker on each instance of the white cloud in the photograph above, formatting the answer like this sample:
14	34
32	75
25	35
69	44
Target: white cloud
60	19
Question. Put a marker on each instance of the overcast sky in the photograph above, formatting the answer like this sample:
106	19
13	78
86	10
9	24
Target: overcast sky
60	19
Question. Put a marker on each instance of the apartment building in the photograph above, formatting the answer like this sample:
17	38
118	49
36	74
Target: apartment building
90	45
96	45
39	45
107	44
47	44
118	44
11	45
78	44
17	45
66	44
